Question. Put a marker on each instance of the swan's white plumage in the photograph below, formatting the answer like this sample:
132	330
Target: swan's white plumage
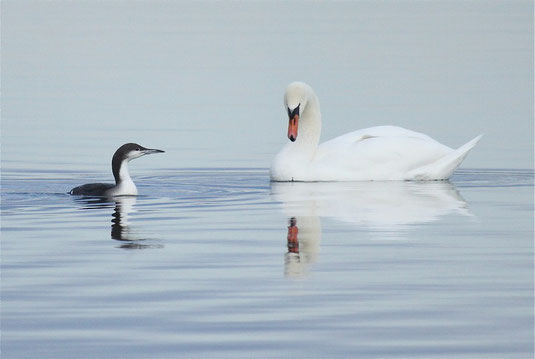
375	153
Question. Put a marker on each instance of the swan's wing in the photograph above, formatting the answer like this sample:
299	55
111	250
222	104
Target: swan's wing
384	152
444	167
377	131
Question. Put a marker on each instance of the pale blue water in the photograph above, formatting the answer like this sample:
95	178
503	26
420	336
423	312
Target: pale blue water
201	264
213	261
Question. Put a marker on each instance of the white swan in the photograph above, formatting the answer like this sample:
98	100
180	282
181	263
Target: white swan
375	153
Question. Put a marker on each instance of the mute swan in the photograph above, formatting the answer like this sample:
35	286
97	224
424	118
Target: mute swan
375	153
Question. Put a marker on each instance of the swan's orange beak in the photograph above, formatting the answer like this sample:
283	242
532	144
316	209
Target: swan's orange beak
292	128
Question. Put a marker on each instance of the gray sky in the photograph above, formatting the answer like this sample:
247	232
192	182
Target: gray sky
204	81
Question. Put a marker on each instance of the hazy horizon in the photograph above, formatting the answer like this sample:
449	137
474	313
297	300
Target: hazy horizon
205	80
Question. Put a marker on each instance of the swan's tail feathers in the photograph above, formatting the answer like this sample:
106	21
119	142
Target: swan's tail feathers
444	167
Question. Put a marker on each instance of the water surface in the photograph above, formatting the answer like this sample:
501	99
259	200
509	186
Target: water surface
213	261
221	263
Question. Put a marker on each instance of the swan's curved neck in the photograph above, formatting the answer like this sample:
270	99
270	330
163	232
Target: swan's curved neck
309	133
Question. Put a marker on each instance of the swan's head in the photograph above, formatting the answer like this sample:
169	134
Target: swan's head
295	102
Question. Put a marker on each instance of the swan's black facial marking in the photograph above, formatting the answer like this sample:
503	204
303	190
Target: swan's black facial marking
292	114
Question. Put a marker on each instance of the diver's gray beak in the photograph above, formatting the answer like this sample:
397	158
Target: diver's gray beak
149	151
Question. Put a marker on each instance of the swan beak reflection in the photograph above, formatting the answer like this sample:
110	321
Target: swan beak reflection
292	127
293	241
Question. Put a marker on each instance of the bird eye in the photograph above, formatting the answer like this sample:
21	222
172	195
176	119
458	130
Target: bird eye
137	149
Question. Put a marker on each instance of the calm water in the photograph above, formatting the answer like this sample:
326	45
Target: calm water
213	261
221	263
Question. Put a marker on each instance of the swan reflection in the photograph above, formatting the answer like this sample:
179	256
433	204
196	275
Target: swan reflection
387	210
121	229
303	242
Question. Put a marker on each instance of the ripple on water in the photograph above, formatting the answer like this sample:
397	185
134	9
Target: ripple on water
493	178
221	257
26	191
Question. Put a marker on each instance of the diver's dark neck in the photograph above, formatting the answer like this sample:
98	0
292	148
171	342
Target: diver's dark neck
117	164
123	182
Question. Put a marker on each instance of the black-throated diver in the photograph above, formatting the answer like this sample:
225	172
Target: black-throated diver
124	186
